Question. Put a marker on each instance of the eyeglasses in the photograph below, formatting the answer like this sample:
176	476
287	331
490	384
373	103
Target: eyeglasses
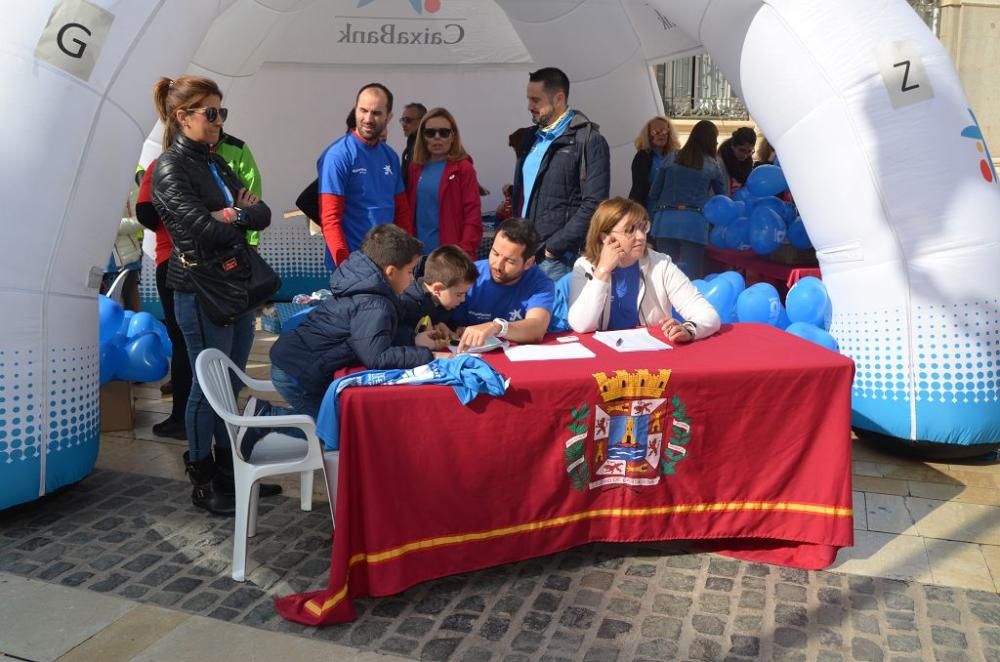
633	230
406	120
659	132
212	113
430	133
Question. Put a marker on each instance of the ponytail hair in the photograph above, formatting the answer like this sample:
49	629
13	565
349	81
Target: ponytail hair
181	93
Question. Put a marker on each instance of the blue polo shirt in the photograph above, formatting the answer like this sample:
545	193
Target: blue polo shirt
367	177
428	187
487	299
533	161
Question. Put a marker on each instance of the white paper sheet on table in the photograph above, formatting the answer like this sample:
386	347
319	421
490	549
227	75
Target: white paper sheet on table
548	352
630	340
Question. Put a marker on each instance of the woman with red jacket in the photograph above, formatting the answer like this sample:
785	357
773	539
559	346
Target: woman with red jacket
442	187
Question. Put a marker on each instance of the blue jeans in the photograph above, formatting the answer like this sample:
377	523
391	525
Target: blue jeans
554	267
200	333
302	401
687	255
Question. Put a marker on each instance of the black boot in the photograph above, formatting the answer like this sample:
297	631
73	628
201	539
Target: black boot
225	481
202	474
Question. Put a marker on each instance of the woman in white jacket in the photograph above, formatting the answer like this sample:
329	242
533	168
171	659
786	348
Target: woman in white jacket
620	283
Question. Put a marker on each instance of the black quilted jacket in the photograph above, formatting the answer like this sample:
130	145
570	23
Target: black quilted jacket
185	193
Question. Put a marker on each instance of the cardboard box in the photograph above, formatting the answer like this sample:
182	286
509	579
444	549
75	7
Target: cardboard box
117	407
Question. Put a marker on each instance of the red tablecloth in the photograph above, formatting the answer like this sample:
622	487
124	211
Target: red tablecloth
757	269
742	439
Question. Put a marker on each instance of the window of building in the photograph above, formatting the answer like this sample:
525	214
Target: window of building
693	87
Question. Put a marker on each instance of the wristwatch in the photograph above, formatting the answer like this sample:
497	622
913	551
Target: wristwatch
239	215
504	327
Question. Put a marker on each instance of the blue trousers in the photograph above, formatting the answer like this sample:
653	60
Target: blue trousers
200	333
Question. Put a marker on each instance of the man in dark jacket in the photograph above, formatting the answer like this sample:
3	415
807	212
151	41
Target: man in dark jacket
357	325
563	171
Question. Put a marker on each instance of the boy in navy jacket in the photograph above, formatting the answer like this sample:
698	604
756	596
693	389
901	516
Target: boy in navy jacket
358	325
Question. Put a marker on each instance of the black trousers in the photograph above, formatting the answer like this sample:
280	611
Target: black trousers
180	364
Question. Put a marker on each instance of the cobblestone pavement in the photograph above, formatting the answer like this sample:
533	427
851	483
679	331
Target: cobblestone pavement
138	537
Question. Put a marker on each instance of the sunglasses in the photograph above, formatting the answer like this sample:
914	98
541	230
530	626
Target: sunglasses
212	113
430	133
659	132
406	120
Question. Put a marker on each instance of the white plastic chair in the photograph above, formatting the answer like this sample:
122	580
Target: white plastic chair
117	290
276	453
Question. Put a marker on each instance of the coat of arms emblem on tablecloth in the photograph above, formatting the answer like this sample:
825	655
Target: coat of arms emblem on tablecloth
634	436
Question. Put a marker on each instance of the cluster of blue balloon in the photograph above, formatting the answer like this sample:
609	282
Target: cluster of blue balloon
754	218
806	313
134	346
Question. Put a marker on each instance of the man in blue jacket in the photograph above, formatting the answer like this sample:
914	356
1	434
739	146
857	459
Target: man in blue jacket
563	171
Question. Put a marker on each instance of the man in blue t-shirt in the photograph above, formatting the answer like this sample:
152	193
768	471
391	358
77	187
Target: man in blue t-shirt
512	298
360	179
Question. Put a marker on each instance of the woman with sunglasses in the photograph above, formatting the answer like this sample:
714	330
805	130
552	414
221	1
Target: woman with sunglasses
620	283
442	186
207	211
654	142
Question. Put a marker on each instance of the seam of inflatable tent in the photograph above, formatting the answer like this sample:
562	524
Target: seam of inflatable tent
43	454
838	94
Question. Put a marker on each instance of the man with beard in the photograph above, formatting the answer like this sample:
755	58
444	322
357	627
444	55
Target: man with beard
512	298
360	180
563	171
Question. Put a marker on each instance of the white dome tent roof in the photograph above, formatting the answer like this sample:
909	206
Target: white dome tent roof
860	100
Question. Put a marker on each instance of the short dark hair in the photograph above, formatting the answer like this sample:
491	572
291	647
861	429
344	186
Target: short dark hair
450	266
419	107
352	121
744	136
521	231
380	87
390	245
553	80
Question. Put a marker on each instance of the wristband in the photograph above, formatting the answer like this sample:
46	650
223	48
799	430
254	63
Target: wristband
691	327
504	327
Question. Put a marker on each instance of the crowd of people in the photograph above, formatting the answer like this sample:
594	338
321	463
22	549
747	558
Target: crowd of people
401	236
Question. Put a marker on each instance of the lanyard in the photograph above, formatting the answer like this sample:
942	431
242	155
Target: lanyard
222	185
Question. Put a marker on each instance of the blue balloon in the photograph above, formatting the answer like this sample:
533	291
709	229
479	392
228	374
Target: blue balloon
742	195
770	202
809	302
739	234
741	209
783	320
702	284
141	323
813	334
709	277
112	358
759	303
719	236
789	213
735	279
145	360
126	321
720	210
797	235
161	333
109	315
767	230
721	295
767	180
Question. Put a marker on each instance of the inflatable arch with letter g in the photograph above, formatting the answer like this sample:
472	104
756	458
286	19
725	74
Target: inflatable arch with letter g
889	169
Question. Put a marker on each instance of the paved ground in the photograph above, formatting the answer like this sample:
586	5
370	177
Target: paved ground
136	537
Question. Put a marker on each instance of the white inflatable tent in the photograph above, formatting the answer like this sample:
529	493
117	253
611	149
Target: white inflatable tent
875	134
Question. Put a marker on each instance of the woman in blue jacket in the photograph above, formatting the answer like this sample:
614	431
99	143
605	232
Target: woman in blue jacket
687	179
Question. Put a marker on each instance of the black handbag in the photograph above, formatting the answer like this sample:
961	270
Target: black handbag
231	284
